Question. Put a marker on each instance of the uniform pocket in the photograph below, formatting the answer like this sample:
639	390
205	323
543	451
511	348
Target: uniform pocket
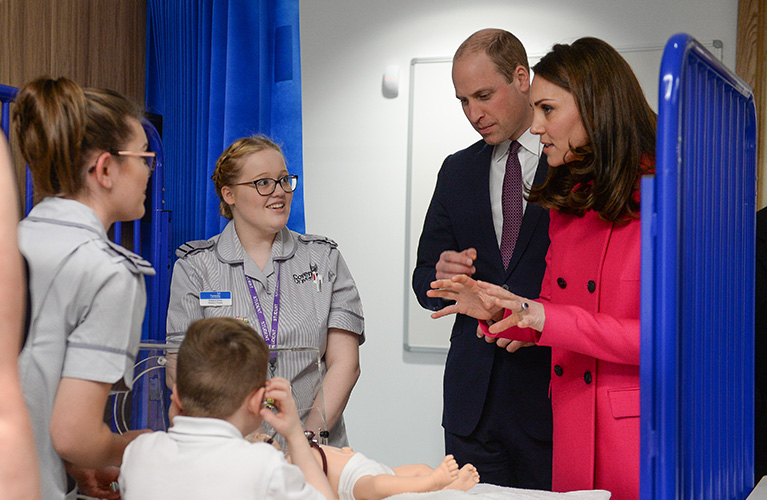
624	403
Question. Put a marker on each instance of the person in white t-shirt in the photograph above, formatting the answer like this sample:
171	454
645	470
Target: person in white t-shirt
223	395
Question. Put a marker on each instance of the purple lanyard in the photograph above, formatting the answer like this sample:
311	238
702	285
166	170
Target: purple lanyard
270	336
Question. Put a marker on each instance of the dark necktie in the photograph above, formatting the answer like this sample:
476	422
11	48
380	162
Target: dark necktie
511	201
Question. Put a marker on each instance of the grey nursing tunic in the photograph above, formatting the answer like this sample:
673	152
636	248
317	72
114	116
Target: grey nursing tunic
308	307
88	301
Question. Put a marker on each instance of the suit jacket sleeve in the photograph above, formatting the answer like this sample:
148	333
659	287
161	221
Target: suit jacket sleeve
436	237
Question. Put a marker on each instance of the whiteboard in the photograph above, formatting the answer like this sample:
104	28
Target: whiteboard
437	128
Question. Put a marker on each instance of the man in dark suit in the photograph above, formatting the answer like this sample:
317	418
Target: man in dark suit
497	414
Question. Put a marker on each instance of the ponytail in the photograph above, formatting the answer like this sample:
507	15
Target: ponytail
58	124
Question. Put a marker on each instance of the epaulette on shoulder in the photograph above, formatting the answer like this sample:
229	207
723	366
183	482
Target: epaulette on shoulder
316	238
134	262
192	247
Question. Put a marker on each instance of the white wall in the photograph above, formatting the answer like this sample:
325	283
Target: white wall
355	161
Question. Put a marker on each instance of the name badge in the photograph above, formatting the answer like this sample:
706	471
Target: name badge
208	299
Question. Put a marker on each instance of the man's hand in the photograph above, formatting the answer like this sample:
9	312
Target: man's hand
452	263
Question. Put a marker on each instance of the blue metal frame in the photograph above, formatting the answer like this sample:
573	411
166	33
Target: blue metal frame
149	397
698	237
7	95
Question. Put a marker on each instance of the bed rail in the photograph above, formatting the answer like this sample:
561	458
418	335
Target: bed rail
698	225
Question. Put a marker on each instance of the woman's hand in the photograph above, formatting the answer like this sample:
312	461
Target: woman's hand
511	346
96	483
470	299
342	370
525	313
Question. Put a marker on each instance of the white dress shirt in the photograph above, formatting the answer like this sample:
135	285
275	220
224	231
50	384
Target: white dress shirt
529	155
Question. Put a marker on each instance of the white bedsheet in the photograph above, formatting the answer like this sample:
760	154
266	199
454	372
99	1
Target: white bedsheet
493	492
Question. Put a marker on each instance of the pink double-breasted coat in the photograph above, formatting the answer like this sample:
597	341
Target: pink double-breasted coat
591	296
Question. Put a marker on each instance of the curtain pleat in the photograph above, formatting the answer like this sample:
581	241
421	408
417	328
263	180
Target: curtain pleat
216	71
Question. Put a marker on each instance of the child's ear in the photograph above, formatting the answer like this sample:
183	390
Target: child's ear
256	400
175	400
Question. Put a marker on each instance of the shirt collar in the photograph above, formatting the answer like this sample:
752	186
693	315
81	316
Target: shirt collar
185	428
528	140
69	212
228	246
230	250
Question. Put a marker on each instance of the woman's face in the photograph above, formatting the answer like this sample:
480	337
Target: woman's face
252	212
557	120
134	175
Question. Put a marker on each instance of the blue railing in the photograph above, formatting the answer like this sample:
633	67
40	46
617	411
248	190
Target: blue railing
698	225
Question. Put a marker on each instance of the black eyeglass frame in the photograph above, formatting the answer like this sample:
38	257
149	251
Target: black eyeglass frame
291	180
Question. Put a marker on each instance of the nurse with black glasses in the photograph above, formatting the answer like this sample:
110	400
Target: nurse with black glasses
295	290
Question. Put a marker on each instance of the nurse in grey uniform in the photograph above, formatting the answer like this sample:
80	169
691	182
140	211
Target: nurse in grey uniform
294	289
87	152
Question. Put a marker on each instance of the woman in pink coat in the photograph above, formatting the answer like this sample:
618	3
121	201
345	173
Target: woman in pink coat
598	133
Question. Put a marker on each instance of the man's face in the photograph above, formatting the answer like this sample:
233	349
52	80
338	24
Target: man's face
497	109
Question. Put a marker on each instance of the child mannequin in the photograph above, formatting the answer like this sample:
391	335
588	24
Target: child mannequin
355	477
220	391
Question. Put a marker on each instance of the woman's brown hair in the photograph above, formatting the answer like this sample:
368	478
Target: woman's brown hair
58	123
228	165
620	125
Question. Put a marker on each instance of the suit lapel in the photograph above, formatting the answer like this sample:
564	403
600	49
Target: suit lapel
530	220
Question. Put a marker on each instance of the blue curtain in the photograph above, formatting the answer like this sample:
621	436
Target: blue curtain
218	70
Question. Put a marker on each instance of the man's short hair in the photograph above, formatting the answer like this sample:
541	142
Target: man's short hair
503	48
220	362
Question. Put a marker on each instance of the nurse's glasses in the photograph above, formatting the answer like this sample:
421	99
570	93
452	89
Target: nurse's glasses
266	186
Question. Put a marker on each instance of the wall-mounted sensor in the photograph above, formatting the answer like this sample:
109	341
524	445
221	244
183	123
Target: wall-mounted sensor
390	85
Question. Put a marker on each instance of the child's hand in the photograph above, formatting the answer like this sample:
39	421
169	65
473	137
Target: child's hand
285	419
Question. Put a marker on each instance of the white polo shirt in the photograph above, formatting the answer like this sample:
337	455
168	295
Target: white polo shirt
204	458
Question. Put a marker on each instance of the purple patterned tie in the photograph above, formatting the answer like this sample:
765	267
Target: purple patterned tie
511	200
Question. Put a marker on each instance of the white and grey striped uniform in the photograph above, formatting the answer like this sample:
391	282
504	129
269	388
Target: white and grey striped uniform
88	301
306	310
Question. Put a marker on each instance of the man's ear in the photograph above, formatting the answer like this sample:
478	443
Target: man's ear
104	170
255	401
522	78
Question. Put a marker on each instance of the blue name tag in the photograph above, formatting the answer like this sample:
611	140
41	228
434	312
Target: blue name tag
223	298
